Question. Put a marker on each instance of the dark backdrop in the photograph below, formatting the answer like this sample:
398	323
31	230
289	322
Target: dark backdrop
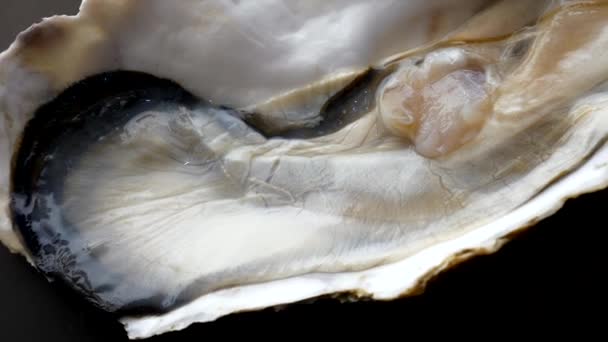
549	279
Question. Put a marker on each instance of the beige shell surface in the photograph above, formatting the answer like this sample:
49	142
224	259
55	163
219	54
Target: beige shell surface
367	213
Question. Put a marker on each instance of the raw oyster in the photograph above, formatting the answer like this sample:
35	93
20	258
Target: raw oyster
184	161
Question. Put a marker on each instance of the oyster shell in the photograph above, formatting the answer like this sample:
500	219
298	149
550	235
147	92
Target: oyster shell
261	153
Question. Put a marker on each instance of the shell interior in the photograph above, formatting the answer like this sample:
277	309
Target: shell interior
176	163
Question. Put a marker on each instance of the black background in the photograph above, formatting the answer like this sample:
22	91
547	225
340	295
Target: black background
548	279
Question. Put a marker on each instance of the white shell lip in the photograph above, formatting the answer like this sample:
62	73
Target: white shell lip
381	283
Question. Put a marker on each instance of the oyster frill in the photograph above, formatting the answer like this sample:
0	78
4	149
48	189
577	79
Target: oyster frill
175	162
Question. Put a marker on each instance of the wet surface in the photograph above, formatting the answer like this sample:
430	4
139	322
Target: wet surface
347	106
550	278
51	149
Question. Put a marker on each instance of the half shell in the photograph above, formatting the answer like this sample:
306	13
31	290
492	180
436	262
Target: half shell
264	152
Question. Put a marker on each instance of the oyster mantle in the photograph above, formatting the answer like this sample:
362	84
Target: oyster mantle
369	208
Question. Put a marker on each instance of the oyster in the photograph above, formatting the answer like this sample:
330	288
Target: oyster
178	162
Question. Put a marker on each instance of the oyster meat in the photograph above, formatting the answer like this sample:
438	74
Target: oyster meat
176	162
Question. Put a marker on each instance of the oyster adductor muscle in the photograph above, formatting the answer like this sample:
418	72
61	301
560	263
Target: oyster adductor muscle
205	158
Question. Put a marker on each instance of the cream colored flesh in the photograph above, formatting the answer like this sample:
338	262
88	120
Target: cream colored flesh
373	208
